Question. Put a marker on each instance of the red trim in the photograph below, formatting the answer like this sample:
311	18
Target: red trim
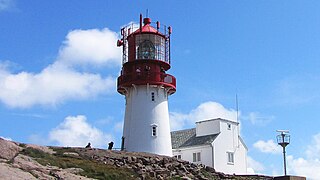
143	62
144	78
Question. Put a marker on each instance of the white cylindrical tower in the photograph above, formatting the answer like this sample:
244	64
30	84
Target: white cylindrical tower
146	86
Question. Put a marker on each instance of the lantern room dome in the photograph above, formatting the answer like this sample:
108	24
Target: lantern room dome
147	28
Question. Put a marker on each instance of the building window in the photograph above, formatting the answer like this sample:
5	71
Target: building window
230	157
196	157
229	126
178	156
154	130
152	96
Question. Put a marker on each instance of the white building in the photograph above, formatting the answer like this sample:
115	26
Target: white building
215	143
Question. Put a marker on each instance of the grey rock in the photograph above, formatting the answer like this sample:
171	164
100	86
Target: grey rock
185	178
148	168
71	154
210	169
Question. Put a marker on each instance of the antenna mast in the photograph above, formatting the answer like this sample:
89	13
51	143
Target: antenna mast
237	107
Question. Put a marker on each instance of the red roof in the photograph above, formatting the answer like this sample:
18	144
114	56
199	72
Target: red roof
147	28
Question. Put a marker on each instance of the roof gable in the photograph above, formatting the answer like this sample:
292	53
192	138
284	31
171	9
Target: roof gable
187	138
180	137
218	119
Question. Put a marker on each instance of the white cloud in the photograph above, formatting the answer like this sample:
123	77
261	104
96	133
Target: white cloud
254	167
211	110
6	4
178	120
93	47
75	131
50	87
257	119
313	150
304	167
268	146
206	110
61	81
6	138
309	166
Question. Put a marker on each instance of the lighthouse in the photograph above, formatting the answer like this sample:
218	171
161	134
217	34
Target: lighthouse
146	85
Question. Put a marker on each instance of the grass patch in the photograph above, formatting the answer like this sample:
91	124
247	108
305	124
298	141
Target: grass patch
175	178
90	168
22	145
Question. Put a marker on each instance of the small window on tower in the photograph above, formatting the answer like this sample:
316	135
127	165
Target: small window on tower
154	130
152	96
229	126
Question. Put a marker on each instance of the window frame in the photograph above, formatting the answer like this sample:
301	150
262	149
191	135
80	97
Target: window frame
154	130
229	125
230	158
153	97
196	157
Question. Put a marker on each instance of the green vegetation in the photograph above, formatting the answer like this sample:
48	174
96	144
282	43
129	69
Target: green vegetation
209	175
22	145
90	168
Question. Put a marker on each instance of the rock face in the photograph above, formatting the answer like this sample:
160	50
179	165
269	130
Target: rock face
21	167
8	149
20	161
9	172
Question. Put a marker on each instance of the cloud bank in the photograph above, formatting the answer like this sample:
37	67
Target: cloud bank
90	47
61	80
307	166
75	131
268	146
6	138
253	166
206	110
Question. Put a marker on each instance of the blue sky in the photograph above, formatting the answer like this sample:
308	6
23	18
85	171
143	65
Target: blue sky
59	64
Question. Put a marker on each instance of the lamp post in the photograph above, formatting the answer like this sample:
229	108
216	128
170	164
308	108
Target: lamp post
283	140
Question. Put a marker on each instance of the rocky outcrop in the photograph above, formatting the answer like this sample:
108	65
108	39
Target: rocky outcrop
9	172
8	149
21	161
21	167
150	166
40	148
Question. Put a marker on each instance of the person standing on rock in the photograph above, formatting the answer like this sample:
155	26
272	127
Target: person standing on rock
88	145
110	145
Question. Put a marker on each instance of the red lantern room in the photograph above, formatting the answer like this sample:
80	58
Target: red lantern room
146	56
